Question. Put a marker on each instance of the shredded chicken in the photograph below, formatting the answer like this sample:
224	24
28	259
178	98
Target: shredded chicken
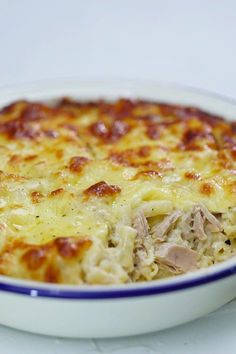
177	258
144	250
159	231
215	225
198	226
187	226
199	221
140	224
204	221
171	243
140	256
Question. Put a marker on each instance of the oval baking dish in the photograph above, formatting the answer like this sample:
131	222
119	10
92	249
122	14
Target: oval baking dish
127	309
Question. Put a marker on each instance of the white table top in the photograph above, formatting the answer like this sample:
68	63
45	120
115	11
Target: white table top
213	334
188	42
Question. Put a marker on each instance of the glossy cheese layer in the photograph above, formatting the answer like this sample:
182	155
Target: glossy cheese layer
74	176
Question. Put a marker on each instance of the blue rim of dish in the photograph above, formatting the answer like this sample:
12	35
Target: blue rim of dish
109	293
34	291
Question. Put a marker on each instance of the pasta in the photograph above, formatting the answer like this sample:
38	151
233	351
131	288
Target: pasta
114	192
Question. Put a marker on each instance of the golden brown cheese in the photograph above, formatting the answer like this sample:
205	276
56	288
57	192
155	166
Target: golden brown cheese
74	175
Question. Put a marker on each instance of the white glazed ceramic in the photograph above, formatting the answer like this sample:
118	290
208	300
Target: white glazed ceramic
109	311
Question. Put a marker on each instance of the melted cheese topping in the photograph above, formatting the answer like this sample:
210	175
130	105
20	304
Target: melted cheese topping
73	175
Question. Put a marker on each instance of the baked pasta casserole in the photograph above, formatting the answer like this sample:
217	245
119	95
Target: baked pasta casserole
114	192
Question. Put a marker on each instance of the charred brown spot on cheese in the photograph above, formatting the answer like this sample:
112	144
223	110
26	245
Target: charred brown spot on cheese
51	134
9	109
124	107
56	192
233	152
69	247
36	197
130	157
64	111
229	142
34	111
118	110
121	159
17	129
233	127
59	153
70	139
34	258
109	134
26	124
168	110
65	101
102	189
69	102
99	129
144	151
190	175
14	159
77	163
72	109
192	136
10	246
225	164
121	109
228	139
188	113
52	274
118	130
153	131
206	188
12	176
226	158
30	157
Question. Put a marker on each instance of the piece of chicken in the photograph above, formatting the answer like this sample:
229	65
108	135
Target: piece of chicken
177	258
204	220
159	231
198	226
140	224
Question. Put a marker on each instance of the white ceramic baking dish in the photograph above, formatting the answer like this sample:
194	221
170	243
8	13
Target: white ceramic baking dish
107	311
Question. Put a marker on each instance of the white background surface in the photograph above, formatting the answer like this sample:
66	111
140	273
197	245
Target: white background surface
188	42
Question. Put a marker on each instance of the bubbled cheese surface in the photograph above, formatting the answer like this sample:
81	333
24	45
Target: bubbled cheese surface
72	174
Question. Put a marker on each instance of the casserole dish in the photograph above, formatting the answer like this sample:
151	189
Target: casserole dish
116	310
